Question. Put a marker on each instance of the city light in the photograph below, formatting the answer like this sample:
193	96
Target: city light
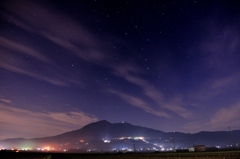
106	141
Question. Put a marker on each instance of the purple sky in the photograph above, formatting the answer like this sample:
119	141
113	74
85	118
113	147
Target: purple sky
167	65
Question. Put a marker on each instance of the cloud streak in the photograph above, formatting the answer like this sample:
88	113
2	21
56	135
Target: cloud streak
5	100
11	64
220	120
40	124
228	116
129	73
62	31
139	103
12	45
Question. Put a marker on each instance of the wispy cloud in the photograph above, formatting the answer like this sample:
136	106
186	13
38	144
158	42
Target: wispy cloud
40	124
58	28
218	61
5	100
26	49
220	120
228	116
220	48
217	87
139	103
131	74
226	82
15	65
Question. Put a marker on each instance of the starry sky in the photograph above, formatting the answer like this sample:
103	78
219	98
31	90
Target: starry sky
163	64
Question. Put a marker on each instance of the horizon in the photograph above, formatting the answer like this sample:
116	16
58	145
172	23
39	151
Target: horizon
166	65
122	122
103	136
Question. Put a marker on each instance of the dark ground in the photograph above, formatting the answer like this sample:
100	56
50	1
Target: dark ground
162	155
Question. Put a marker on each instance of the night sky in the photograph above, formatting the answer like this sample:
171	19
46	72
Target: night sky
166	65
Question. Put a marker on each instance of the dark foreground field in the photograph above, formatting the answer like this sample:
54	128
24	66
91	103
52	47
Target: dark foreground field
169	155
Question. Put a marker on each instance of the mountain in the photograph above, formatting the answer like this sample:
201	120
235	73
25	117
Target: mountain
103	135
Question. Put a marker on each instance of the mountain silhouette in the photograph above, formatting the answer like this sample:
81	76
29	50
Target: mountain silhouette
106	135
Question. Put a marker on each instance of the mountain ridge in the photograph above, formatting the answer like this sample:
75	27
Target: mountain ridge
95	135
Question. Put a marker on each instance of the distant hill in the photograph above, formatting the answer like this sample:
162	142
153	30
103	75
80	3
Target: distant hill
103	135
